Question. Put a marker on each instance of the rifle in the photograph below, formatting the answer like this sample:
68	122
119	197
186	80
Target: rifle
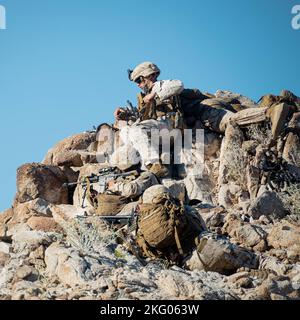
102	178
129	113
120	219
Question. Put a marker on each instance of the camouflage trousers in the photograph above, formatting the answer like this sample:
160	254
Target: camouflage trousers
217	119
141	137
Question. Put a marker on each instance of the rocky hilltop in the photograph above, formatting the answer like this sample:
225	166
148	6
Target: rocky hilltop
248	198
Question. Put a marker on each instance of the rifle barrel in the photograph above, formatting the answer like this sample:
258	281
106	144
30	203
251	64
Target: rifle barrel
98	178
123	217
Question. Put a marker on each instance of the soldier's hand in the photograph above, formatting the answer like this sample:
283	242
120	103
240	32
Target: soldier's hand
117	113
149	97
110	184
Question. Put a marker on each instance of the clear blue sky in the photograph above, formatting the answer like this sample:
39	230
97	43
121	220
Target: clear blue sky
63	62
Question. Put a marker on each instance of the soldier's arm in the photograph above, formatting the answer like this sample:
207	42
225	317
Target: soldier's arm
135	188
166	89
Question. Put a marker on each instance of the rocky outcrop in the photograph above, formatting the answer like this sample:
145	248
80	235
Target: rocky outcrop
244	191
71	151
267	204
40	181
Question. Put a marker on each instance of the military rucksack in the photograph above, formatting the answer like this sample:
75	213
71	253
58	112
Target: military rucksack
109	204
105	204
164	226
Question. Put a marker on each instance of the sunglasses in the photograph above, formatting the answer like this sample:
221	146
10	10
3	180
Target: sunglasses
139	80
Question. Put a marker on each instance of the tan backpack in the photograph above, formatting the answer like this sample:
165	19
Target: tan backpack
105	204
109	204
165	225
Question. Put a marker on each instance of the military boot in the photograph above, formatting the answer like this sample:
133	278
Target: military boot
160	170
278	114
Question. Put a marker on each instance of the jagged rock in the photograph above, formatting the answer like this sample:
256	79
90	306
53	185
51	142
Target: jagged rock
244	101
253	181
212	144
200	186
5	217
46	224
67	265
240	279
176	188
271	263
71	158
25	290
213	217
24	211
71	173
291	149
268	203
285	235
248	235
294	273
27	241
218	103
3	258
65	152
193	285
282	286
229	195
93	265
36	180
5	247
219	255
37	214
63	213
26	273
230	159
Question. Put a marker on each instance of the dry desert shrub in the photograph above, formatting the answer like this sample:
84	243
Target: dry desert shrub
260	133
291	198
236	161
86	236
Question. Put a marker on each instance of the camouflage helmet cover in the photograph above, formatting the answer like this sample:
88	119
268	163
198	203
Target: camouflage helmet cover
144	69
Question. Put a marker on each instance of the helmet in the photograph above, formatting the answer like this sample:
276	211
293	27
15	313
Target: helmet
151	193
144	69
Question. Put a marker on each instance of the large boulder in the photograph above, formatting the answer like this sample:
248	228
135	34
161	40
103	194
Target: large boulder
285	235
213	217
220	255
36	180
268	204
67	265
69	151
248	235
45	224
36	214
28	241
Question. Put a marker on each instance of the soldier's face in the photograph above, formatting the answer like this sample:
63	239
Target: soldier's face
141	83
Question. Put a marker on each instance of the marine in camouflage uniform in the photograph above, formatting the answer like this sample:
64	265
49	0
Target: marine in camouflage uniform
164	104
